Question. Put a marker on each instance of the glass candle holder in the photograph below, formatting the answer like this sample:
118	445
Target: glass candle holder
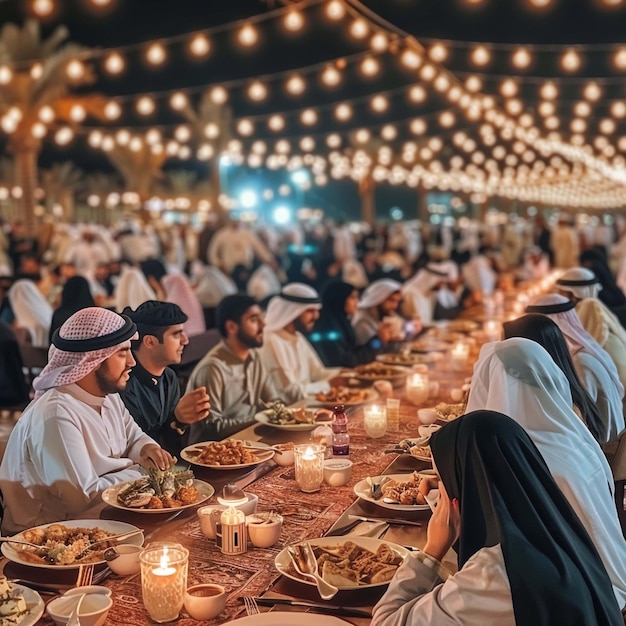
375	420
393	413
492	330
309	467
417	388
164	580
459	356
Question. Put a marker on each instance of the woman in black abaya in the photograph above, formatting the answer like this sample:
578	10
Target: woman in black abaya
524	557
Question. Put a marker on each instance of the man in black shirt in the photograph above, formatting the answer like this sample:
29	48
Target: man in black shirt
152	394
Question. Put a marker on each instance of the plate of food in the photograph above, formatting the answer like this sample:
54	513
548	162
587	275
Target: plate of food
348	396
228	454
20	605
283	417
371	372
418	448
457	326
426	344
447	412
66	545
409	359
159	492
357	563
399	492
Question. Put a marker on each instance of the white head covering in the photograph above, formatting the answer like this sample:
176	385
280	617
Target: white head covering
290	303
213	286
85	340
581	282
563	313
178	291
132	289
518	377
32	311
378	292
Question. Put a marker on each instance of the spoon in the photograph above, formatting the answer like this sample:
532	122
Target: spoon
73	619
310	570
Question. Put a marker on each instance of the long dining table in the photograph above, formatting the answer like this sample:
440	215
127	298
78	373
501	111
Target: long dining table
306	516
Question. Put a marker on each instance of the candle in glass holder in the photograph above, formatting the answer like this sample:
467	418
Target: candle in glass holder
492	330
417	388
459	357
309	467
164	580
375	420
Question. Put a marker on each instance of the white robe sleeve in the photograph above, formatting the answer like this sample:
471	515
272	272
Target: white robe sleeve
479	594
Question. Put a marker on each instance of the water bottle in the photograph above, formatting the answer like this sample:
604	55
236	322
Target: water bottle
341	438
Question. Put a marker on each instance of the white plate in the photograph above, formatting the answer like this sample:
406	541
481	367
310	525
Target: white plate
371	395
363	490
110	497
283	560
262	418
34	603
111	526
280	618
187	455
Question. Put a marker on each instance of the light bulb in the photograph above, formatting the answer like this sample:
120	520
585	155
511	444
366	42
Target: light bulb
46	114
570	61
370	66
379	104
219	95
248	36
145	105
343	112
245	127
182	134
379	42
296	85
276	123
359	28
521	58
257	91
78	113
63	136
112	110
331	76
178	101
200	46
480	56
156	54
293	21
308	117
6	74
114	63
75	69
335	10
43	8
38	130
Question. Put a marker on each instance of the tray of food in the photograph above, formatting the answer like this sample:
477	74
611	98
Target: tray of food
398	492
409	359
283	417
371	372
348	396
447	412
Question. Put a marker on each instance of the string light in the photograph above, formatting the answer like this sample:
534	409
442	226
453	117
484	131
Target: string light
43	8
417	94
521	58
362	135
38	130
122	137
570	61
335	10
582	109
333	141
379	42
101	3
64	135
218	95
379	104
6	75
438	52
480	56
276	123
248	36
211	130
618	109
343	112
75	69
359	28
592	92
153	136
156	54
293	21
549	91
114	63
135	144
78	113
178	101
200	45
257	91
245	127
112	110
619	58
145	105
331	76
473	84
410	59
296	85
418	126
182	134
46	114
389	132
370	66
308	117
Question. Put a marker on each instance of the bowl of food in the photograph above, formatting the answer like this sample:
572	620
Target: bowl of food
124	559
284	454
264	529
337	472
427	416
205	601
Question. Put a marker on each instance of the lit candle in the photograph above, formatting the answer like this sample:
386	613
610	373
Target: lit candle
417	388
460	356
309	462
163	580
375	420
491	330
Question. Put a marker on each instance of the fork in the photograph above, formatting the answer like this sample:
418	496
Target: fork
252	608
85	575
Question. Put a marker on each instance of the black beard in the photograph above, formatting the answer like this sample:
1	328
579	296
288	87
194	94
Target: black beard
106	386
250	341
300	327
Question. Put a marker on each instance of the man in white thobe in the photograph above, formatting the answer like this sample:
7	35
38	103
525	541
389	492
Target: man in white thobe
76	438
291	361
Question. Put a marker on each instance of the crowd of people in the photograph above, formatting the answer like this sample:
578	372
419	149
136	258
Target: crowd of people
526	492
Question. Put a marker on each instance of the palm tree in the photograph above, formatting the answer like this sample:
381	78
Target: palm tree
60	184
212	122
40	79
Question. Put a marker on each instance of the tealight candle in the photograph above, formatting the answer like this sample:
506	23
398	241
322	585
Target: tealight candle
417	388
309	467
460	356
164	580
492	330
375	420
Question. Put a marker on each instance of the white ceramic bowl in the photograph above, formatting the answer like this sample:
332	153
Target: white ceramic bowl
247	508
93	609
207	525
205	601
264	531
337	472
427	430
426	416
286	457
78	591
127	562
